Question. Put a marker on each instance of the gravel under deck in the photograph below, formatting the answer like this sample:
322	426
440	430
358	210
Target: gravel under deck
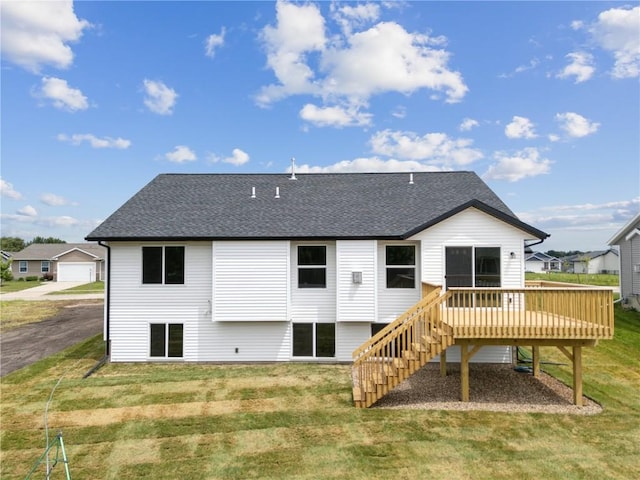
497	388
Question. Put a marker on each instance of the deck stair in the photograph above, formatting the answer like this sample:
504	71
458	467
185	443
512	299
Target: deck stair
400	349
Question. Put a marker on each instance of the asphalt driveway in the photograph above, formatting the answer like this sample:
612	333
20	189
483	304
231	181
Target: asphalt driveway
25	345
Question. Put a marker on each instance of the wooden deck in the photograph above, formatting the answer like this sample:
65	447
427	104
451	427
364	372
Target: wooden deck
539	315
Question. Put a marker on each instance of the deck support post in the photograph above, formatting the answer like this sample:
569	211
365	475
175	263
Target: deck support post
535	351
577	375
464	372
443	363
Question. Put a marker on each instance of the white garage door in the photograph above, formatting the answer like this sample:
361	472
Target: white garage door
76	272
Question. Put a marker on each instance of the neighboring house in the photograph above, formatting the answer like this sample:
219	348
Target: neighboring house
254	267
540	262
62	262
601	261
628	240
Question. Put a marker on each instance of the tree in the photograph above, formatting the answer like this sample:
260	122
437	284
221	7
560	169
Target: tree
46	240
11	244
5	270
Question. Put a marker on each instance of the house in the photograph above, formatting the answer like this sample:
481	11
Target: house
271	267
600	261
62	262
541	263
628	240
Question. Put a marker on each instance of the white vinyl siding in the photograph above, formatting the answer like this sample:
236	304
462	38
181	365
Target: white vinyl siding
135	306
314	305
393	302
349	336
472	228
356	302
487	354
250	281
254	341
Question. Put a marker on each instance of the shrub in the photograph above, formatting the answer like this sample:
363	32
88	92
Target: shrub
32	278
47	277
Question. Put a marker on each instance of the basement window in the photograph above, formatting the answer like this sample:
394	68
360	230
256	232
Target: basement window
166	340
314	340
163	265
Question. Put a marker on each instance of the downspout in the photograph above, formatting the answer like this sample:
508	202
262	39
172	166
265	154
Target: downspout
107	301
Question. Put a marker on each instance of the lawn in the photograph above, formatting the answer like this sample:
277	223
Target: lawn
598	279
16	286
296	421
93	287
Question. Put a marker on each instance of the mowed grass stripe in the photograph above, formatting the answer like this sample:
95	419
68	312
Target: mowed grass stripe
296	421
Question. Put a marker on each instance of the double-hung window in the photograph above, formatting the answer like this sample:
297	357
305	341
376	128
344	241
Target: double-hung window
312	266
163	265
44	266
314	340
400	264
23	266
166	340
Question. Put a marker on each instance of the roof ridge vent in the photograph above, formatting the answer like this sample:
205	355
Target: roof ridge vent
293	169
411	179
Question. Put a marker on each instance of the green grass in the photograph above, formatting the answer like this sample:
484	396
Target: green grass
16	286
93	287
598	279
296	421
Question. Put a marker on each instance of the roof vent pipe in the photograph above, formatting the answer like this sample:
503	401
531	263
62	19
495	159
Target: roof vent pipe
411	179
293	169
277	192
253	192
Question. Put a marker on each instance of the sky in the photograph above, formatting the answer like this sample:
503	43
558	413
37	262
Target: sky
540	99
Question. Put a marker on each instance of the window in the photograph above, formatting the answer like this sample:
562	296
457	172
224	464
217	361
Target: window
23	266
163	265
487	266
312	266
44	266
314	340
166	340
401	266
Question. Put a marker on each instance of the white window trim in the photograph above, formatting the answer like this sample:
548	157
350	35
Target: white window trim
42	270
166	356
416	282
24	263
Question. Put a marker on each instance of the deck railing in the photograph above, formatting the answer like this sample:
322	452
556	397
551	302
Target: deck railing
533	312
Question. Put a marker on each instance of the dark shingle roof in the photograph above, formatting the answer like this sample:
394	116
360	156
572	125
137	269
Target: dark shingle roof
376	205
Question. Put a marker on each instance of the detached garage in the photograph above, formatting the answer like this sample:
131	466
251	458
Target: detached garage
76	272
62	262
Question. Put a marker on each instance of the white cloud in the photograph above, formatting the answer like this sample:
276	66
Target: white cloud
580	66
27	211
434	148
467	124
520	127
213	42
399	112
62	95
54	200
618	31
95	142
522	164
181	154
35	34
370	165
351	16
7	190
576	125
334	116
352	67
237	158
159	98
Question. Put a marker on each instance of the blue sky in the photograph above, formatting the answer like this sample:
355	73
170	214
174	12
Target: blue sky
540	99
